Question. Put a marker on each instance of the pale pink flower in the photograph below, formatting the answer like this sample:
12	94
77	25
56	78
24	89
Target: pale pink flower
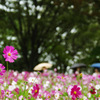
69	89
20	97
55	69
62	78
1	80
8	94
48	95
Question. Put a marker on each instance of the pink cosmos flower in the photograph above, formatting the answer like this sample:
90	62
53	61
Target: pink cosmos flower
10	54
99	76
2	71
17	90
55	69
62	78
20	97
35	91
1	80
8	94
2	95
47	95
75	92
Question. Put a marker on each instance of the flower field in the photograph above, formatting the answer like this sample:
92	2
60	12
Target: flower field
48	85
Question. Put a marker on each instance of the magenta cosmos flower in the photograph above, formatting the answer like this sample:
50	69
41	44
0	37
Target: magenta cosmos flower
2	69
35	91
10	54
92	91
75	92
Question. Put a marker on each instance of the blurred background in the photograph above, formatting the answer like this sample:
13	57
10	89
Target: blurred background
61	32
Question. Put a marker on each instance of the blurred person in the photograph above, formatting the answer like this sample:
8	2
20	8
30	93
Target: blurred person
96	71
77	71
44	68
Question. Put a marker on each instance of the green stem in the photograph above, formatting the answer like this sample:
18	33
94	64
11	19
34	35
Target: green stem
7	69
25	87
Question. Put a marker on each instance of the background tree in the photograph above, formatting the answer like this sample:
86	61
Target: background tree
64	31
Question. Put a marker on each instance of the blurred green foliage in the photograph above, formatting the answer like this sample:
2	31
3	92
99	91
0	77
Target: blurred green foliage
65	31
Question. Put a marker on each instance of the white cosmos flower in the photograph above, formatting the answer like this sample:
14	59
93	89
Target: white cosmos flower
14	83
84	98
89	95
56	95
23	73
25	88
5	84
80	88
1	87
97	87
98	98
20	77
69	90
46	84
15	73
33	80
39	99
11	87
30	90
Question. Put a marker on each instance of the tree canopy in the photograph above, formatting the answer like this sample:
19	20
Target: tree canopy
65	32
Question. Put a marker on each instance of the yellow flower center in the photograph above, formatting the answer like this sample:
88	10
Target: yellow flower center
35	91
74	92
9	54
56	95
99	95
7	93
80	74
62	77
48	96
0	70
